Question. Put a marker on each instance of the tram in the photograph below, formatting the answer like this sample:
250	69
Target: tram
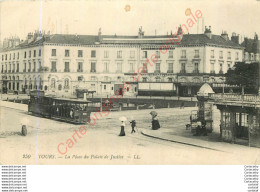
74	111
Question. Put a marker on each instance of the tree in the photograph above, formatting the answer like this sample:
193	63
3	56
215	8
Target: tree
245	76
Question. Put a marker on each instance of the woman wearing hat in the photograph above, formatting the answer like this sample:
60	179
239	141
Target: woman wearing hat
155	122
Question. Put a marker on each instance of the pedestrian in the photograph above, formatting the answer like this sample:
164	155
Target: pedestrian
182	105
122	132
133	124
155	122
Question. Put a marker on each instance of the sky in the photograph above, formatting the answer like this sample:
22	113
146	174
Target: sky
19	17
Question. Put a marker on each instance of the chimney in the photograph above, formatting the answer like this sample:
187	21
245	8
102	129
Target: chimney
225	35
208	32
140	33
99	35
235	38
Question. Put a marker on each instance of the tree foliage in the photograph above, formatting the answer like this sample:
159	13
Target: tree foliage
244	75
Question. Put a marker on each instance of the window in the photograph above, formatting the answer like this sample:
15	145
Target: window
229	55
212	67
93	67
145	69
40	52
196	68
24	70
67	67
106	67
53	66
170	68
6	56
132	54
144	79
170	54
66	83
144	54
30	54
212	54
10	57
2	57
196	54
105	87
220	68
131	67
157	68
34	53
14	56
80	53
25	54
221	54
170	79
158	54
119	54
53	52
106	54
53	82
183	54
80	67
183	68
34	66
67	53
237	57
93	53
18	55
119	67
29	68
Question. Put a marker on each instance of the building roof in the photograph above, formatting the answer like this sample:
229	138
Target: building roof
203	39
187	40
72	39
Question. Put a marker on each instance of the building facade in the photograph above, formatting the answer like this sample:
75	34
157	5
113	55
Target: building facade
60	64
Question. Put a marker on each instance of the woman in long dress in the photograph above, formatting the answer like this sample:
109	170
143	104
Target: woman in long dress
122	132
155	123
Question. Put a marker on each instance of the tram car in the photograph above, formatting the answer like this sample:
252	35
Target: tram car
74	111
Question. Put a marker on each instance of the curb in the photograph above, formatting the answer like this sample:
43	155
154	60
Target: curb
184	143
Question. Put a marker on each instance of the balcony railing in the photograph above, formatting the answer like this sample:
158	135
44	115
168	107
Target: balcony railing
53	70
17	71
183	71
157	71
220	72
196	56
66	70
13	71
169	71
5	71
235	99
93	70
24	70
212	71
196	71
79	70
9	71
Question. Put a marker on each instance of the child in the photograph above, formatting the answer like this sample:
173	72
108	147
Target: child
133	124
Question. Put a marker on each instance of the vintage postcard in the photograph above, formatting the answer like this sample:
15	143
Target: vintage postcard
129	82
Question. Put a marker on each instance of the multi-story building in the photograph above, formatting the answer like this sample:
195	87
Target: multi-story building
252	49
60	64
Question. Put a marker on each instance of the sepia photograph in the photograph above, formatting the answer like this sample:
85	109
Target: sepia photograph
130	82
